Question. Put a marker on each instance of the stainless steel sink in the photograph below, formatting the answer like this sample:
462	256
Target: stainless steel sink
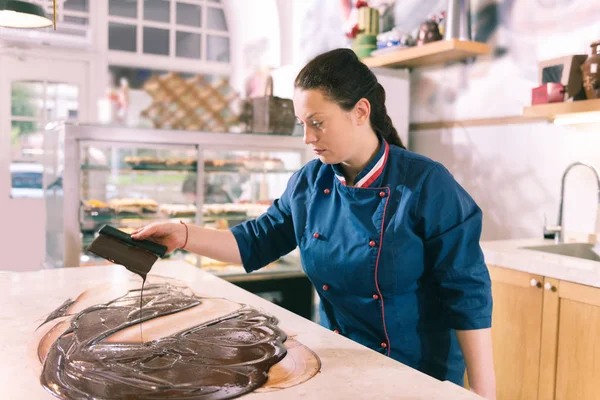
578	250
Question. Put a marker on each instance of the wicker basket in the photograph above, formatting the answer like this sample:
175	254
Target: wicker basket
272	114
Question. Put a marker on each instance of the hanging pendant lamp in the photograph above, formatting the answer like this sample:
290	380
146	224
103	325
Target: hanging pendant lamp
22	14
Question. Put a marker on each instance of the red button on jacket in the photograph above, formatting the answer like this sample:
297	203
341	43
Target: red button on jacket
372	243
382	194
316	235
325	287
384	345
326	191
376	297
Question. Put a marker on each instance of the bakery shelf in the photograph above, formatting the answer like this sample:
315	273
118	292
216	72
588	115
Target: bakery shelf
159	217
439	52
213	218
252	171
225	216
238	274
286	267
152	168
158	168
553	111
148	217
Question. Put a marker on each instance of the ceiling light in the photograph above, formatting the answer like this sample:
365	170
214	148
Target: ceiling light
21	14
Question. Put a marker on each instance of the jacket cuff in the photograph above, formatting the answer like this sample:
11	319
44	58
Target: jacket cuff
469	324
244	245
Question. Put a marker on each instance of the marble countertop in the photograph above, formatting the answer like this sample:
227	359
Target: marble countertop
510	254
349	370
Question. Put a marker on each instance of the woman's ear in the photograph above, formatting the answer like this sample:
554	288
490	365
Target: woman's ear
362	111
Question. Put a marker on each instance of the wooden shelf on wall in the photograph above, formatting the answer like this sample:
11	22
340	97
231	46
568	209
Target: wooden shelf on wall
476	122
552	111
438	52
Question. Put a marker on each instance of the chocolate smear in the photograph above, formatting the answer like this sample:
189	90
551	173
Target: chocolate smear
59	312
222	358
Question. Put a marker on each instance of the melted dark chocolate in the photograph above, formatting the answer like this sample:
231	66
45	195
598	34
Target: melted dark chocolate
136	259
220	359
142	306
59	312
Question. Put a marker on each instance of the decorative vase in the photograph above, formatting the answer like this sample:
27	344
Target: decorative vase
368	20
591	72
428	32
364	44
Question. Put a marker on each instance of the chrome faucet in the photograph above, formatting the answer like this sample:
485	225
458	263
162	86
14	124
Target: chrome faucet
558	229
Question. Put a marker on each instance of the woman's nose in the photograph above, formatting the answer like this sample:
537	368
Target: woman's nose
309	136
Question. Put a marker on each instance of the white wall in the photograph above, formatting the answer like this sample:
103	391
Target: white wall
307	28
254	28
514	173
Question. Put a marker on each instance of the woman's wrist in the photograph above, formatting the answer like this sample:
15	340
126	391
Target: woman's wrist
184	233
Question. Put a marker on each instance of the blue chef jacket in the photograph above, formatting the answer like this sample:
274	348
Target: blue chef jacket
395	259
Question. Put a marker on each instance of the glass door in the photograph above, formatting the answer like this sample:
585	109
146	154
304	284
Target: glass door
33	93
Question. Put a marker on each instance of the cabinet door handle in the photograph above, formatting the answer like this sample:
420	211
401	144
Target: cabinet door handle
534	283
548	286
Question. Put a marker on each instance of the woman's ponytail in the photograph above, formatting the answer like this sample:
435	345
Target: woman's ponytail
380	120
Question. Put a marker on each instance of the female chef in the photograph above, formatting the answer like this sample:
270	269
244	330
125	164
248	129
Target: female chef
388	238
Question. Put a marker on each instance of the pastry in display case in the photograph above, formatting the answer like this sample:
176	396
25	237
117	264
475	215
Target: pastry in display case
263	163
144	163
97	209
178	210
133	206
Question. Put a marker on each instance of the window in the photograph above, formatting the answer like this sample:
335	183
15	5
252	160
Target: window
187	29
33	104
73	16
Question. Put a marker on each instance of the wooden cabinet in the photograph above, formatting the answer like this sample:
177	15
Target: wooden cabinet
516	331
546	336
574	372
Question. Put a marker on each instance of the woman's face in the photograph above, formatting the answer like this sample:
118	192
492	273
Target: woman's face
328	129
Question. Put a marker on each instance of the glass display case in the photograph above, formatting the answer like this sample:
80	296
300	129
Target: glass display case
127	178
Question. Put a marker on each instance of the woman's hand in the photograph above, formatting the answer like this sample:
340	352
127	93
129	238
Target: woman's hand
168	234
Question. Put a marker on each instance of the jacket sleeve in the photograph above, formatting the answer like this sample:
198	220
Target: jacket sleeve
270	236
450	222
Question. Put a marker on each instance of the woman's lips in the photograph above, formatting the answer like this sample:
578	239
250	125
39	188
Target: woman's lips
319	151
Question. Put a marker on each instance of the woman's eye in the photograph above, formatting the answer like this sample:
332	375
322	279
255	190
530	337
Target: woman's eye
317	124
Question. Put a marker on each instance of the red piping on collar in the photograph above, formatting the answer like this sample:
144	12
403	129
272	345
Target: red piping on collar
377	169
341	179
373	174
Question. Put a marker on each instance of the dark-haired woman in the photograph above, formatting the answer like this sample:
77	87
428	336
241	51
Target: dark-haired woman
388	238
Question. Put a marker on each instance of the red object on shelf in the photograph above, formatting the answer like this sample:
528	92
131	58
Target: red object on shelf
355	31
548	93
